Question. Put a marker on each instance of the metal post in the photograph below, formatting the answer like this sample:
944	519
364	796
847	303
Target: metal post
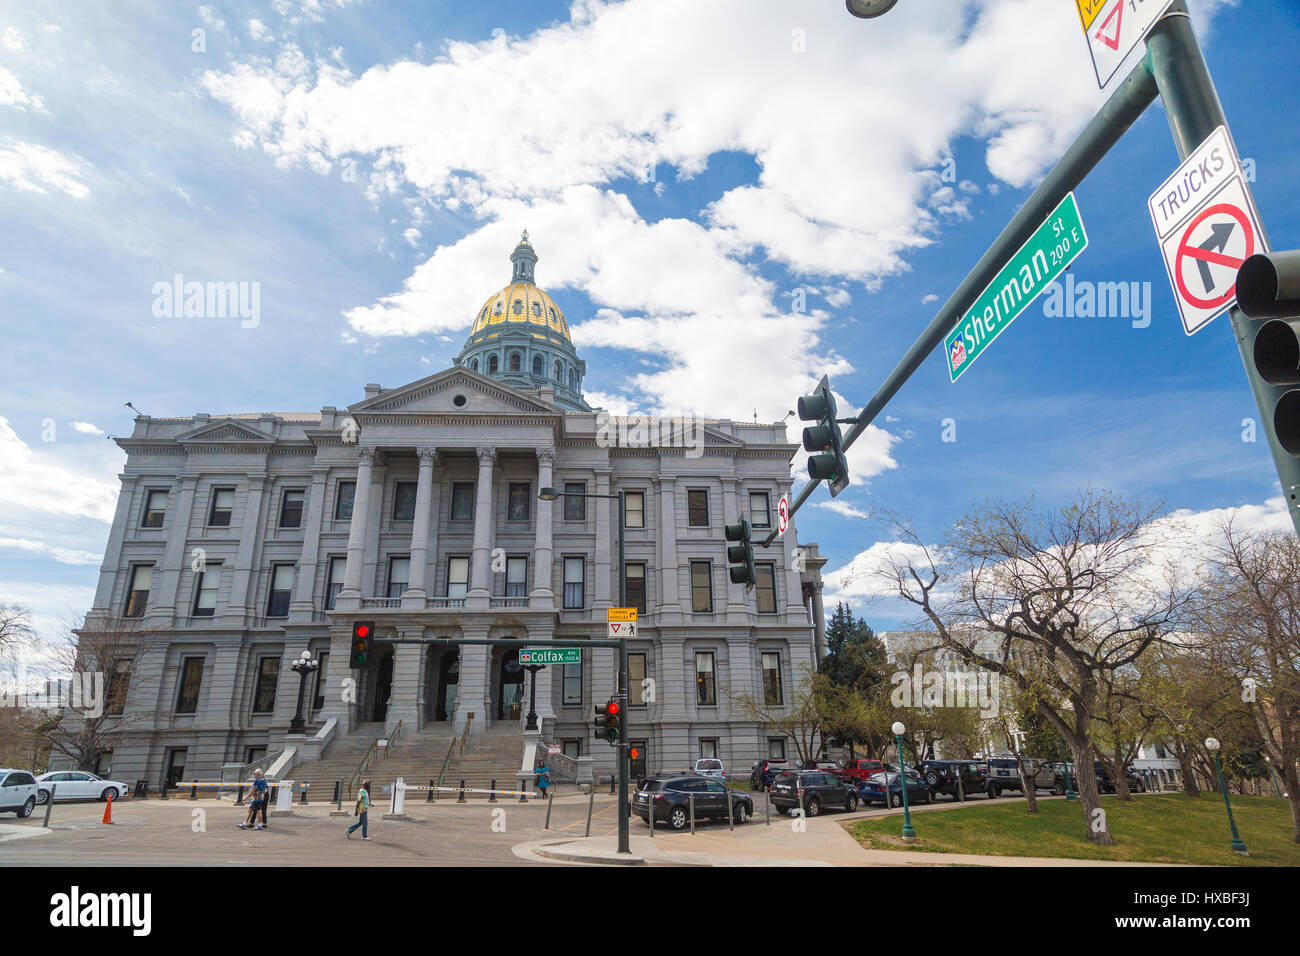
428	796
690	799
731	820
239	796
909	834
767	807
194	793
624	765
547	825
492	796
338	793
49	804
652	815
461	798
591	802
304	793
1237	845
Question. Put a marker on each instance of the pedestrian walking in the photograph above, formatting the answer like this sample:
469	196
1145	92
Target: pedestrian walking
256	803
543	778
363	804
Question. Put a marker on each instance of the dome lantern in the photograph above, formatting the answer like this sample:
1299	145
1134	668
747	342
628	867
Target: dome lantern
524	259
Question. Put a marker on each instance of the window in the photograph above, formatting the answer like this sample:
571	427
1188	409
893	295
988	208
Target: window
573	684
517	502
636	680
538	366
514	356
404	501
223	504
776	748
519	307
399	576
187	697
268	671
634	509
636	586
318	697
575	506
155	509
765	587
334	581
205	591
705	689
277	605
537	309
708	748
138	594
701	586
343	502
759	515
462	500
772	678
559	372
572	748
291	509
457	577
118	684
697	508
493	362
573	580
517	577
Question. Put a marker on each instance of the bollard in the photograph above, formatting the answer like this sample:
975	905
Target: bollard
652	815
731	818
547	825
49	804
461	798
304	793
591	802
338	793
691	800
611	783
492	798
428	797
767	807
239	797
162	790
194	793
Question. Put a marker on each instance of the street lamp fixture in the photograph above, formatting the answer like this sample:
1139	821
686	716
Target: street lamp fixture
869	9
1212	745
303	666
909	834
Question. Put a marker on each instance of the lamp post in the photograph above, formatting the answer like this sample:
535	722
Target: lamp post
624	810
303	666
1065	770
909	834
531	723
1271	775
1212	745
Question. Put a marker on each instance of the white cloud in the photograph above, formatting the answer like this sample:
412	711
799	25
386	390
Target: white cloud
258	31
13	40
47	482
61	555
13	94
843	508
28	167
86	428
412	236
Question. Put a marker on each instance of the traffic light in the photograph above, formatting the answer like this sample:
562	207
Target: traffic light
362	634
824	439
740	556
608	719
1268	287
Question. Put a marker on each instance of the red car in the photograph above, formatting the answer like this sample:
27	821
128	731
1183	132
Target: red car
856	770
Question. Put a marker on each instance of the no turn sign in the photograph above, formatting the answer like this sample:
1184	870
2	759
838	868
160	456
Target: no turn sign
1207	226
782	515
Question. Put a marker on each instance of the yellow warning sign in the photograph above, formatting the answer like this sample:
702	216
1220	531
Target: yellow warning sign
1088	10
620	614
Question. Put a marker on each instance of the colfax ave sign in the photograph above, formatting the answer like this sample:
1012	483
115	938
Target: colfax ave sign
1047	253
550	655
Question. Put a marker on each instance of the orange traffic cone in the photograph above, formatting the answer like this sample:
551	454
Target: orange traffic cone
108	810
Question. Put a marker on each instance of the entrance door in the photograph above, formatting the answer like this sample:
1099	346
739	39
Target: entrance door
448	684
176	765
510	706
383	687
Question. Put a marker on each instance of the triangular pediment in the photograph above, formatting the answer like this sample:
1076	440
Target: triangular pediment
436	395
225	431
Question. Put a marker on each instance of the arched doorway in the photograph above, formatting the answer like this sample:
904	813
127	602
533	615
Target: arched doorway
448	685
383	687
510	701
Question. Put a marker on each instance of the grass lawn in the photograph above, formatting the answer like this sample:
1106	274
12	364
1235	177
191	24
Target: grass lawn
1153	828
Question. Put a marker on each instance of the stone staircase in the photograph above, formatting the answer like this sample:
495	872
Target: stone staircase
417	757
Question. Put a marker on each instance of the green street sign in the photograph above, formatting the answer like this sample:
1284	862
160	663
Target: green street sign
550	655
1046	254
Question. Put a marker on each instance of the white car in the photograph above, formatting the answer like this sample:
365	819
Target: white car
17	792
708	767
77	785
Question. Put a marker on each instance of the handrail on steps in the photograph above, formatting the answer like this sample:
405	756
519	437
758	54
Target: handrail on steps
356	777
456	742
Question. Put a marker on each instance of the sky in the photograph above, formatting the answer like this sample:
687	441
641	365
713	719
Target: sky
728	198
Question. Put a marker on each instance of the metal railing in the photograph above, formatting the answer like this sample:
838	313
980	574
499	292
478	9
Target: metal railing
360	772
561	764
457	747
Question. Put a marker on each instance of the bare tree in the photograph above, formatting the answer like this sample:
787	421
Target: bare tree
15	632
801	719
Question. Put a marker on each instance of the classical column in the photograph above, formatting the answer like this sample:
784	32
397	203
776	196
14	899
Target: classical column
242	584
542	595
407	698
481	580
303	606
670	606
819	620
474	695
174	559
113	550
415	589
603	597
351	592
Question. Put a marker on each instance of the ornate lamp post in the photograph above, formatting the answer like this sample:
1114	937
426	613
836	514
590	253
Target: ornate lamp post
1065	770
909	834
532	696
303	666
1212	745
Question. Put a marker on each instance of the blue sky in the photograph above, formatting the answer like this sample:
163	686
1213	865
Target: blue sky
683	169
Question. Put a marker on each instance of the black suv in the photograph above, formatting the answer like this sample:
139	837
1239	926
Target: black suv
813	790
672	800
943	777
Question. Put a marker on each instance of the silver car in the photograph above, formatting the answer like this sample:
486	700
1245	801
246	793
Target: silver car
710	767
77	785
17	792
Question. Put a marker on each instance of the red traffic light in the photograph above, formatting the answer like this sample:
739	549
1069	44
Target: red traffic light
612	708
361	630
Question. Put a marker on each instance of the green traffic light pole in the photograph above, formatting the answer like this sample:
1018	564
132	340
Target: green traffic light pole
1173	69
1065	770
1212	745
909	834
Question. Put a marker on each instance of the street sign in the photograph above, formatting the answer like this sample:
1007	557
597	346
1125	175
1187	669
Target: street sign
782	515
550	655
625	629
1114	28
620	614
1043	257
1207	226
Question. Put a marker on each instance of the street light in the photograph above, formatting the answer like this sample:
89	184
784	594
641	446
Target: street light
869	9
1065	770
909	834
1212	745
303	666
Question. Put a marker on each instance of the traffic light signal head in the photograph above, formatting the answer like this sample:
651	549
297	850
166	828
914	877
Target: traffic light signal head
1268	287
741	555
823	439
608	720
362	634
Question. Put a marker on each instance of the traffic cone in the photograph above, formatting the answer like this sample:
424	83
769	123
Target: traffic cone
108	810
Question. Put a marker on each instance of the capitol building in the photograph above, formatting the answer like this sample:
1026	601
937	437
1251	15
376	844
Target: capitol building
242	540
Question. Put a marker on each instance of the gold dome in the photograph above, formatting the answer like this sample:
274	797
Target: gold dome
521	302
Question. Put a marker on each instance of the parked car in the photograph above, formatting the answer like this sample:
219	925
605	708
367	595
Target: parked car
671	798
1003	773
17	792
78	785
1136	782
1058	779
874	789
813	790
956	778
709	767
760	778
860	769
828	765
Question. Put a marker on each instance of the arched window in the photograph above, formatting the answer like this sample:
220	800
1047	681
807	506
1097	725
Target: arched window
538	365
514	362
492	364
573	379
474	365
559	372
498	308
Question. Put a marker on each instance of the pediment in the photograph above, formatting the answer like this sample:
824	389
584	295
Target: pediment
436	395
225	431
